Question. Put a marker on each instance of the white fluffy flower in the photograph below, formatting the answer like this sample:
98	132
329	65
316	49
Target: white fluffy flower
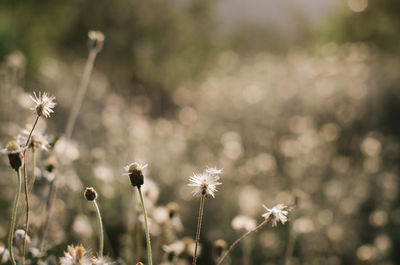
243	222
38	139
44	104
132	167
175	248
276	214
76	256
205	183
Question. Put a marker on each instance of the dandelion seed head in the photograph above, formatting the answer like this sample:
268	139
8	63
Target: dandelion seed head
205	183
276	214
44	104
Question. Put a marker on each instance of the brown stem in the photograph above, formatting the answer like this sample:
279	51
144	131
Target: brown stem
27	192
240	239
203	196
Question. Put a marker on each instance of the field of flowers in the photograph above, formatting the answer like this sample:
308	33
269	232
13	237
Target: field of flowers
298	152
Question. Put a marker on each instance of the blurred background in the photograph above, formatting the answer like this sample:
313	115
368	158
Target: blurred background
297	100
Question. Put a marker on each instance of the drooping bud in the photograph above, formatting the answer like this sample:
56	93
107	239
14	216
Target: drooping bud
90	194
96	40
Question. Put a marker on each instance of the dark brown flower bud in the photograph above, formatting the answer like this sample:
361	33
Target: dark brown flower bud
219	247
173	209
14	153
90	194
135	173
51	164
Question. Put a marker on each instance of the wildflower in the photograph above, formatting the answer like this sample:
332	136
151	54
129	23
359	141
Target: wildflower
205	183
4	254
96	40
190	246
90	194
174	250
173	209
243	222
44	104
276	214
75	256
219	246
38	140
19	237
135	173
14	152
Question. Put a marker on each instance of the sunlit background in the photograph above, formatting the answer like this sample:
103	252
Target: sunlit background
297	101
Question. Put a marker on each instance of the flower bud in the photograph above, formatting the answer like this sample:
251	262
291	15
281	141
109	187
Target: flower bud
173	209
96	40
90	194
135	173
219	247
14	152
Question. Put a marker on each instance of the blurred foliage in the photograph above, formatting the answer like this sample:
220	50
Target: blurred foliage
155	42
373	22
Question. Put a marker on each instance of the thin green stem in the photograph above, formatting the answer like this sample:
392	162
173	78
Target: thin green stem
199	219
13	217
101	233
27	192
146	227
240	239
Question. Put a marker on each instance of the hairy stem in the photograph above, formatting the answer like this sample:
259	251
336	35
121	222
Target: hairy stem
238	240
27	192
13	217
203	196
100	224
146	227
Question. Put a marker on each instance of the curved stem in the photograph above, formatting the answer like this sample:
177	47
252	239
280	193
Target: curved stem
100	224
13	216
238	240
203	196
146	227
26	192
